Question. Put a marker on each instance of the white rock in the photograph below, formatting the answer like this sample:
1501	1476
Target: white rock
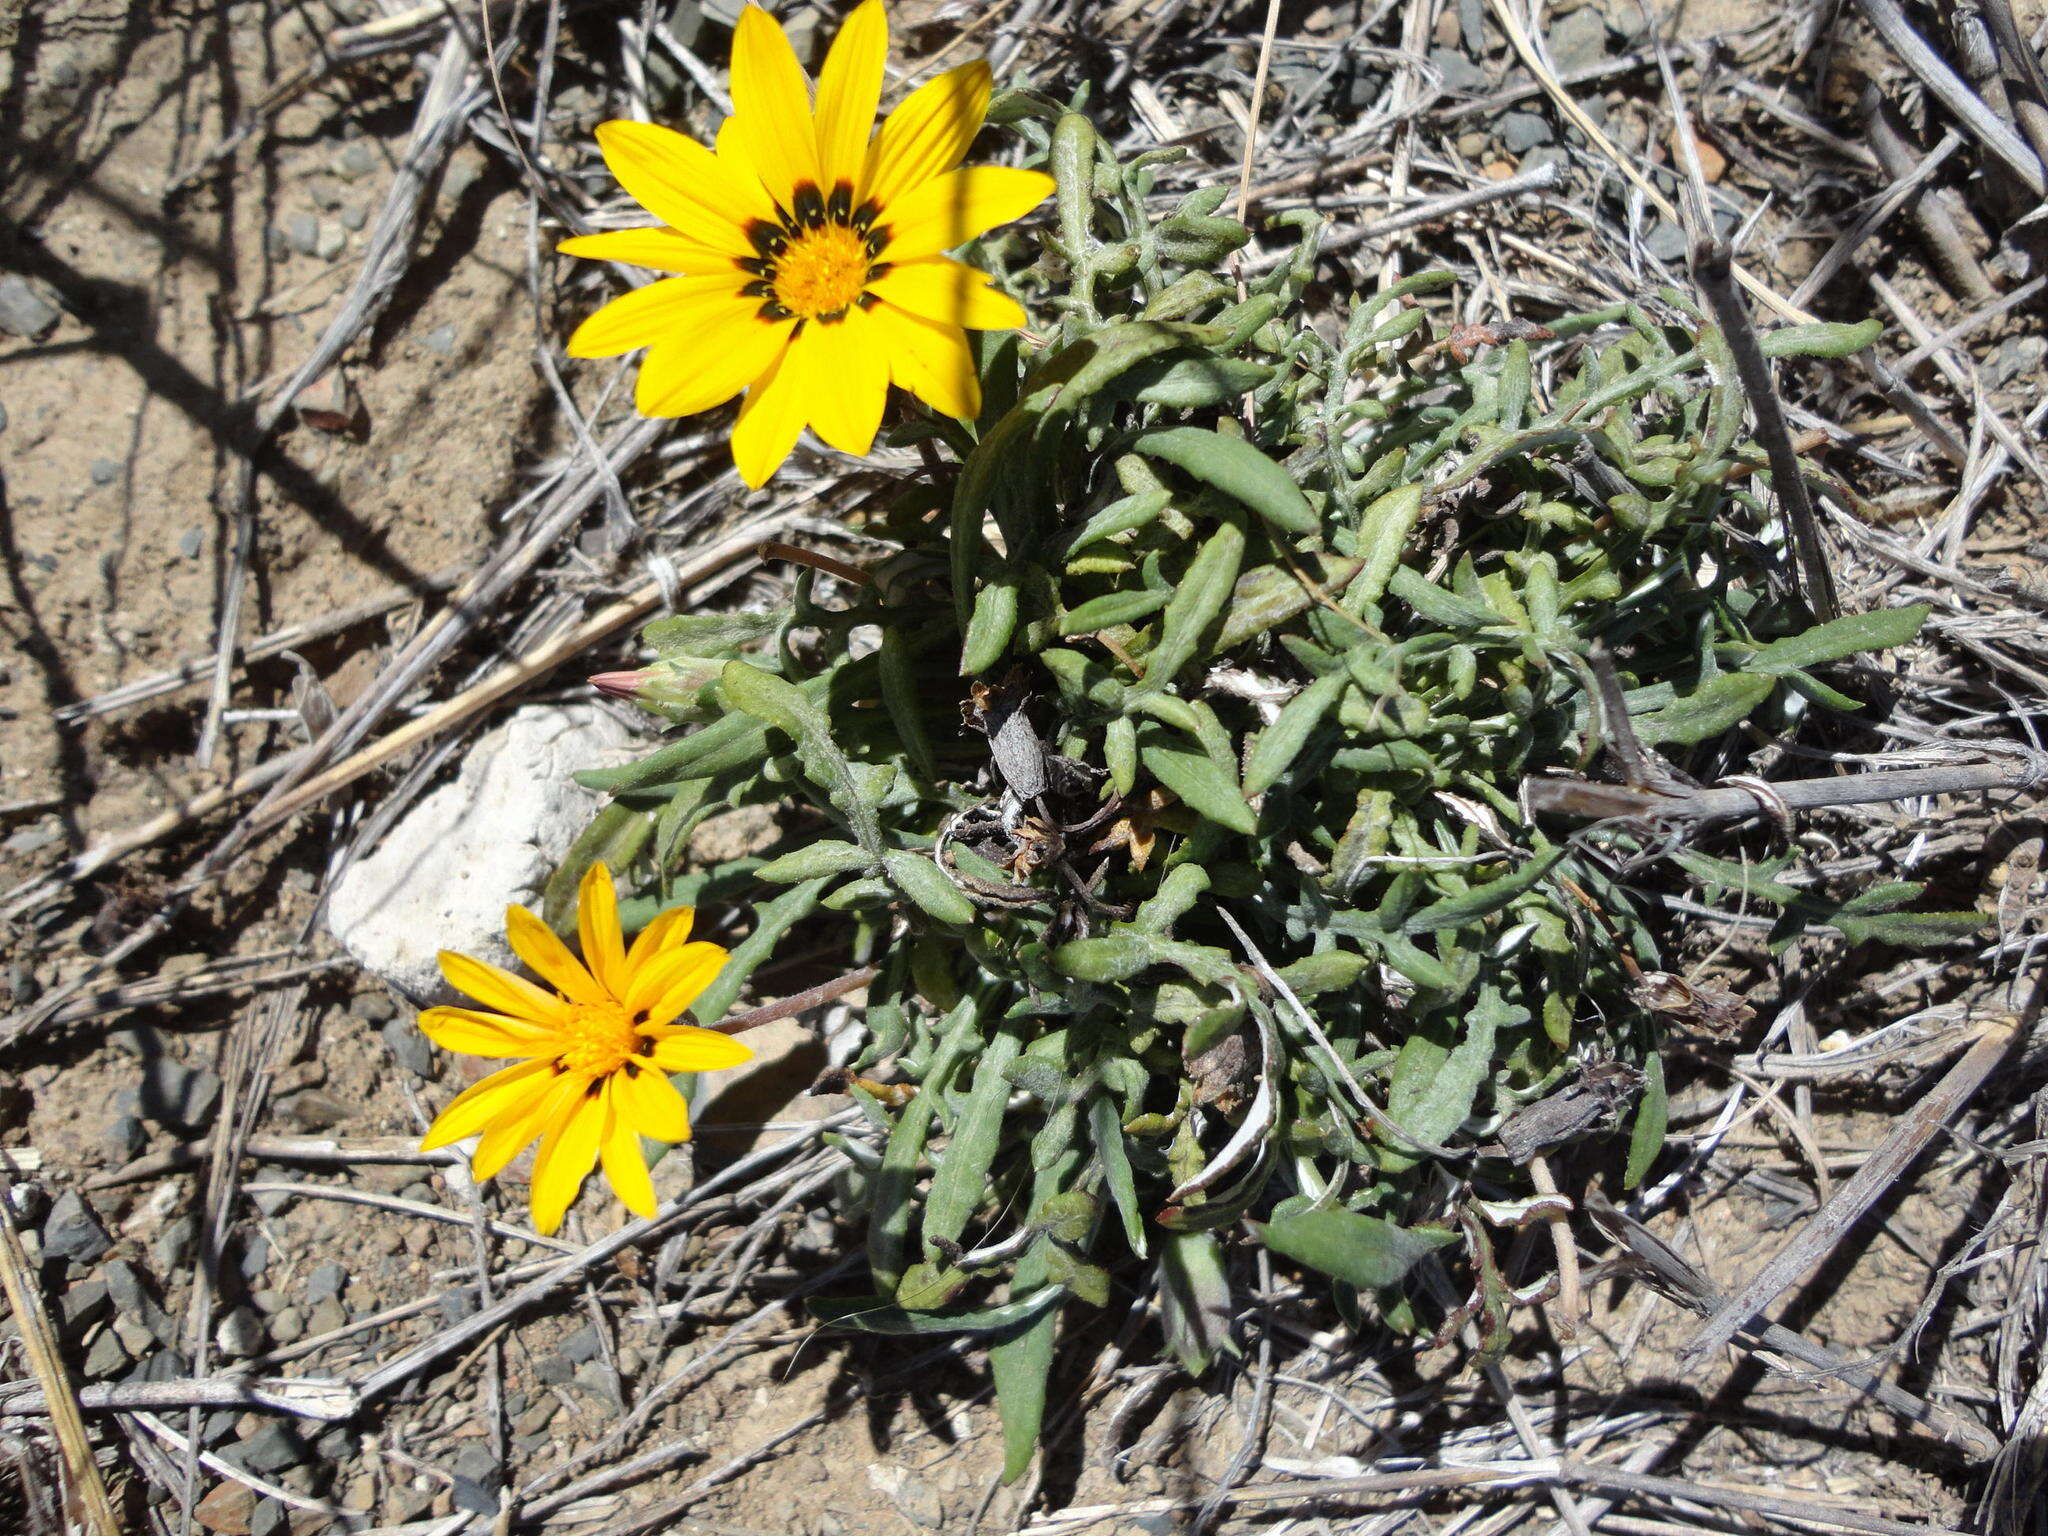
442	877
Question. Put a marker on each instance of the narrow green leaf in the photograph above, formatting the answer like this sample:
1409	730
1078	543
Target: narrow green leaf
1722	701
815	861
1112	608
1198	598
889	1203
1280	743
874	1314
1114	1158
1483	900
1237	469
926	884
707	635
960	1186
1273	594
1840	638
1383	530
800	717
1653	1115
989	629
1346	1245
901	697
1821	339
1201	781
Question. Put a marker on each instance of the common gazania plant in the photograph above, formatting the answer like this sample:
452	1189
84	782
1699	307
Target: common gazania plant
1167	769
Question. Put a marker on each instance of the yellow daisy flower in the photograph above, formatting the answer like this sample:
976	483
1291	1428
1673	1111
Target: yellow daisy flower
593	1056
810	255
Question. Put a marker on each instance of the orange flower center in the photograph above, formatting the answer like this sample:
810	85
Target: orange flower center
598	1039
818	260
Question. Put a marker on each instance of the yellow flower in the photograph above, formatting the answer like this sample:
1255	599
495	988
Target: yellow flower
593	1056
810	254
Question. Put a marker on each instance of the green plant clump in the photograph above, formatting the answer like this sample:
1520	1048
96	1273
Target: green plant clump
1166	766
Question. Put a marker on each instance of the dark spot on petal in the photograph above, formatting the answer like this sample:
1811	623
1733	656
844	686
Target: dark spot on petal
775	313
808	204
864	216
867	301
834	318
768	240
630	1068
877	239
595	1087
760	266
759	288
839	206
880	269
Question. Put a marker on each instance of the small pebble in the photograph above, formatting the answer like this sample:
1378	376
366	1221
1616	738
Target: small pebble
325	1283
332	239
302	233
440	340
106	1357
22	985
415	1052
270	1518
105	471
273	1448
289	1326
358	159
191	542
174	1246
354	216
63	74
1521	132
24	310
73	1231
373	1007
124	1139
240	1334
3	418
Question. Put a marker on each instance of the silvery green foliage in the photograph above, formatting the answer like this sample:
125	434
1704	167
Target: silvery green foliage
1251	618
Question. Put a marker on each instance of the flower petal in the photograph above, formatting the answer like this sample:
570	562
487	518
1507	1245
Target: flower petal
927	135
771	417
650	1103
655	245
726	351
683	184
625	1166
849	374
597	926
686	969
674	307
771	102
535	943
470	1032
948	292
667	930
849	90
686	1048
508	1135
499	990
482	1102
932	361
957	206
566	1153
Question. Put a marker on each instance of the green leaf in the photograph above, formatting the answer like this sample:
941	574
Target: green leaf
1653	1115
816	861
1821	339
694	635
1201	781
1431	1090
1112	608
1273	594
960	1186
771	924
792	711
1383	530
1237	469
1194	1299
900	696
1839	638
1198	598
1722	701
1191	383
1114	1158
1360	1250
926	884
1483	900
1436	604
889	1204
990	627
1280	743
1911	930
874	1314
